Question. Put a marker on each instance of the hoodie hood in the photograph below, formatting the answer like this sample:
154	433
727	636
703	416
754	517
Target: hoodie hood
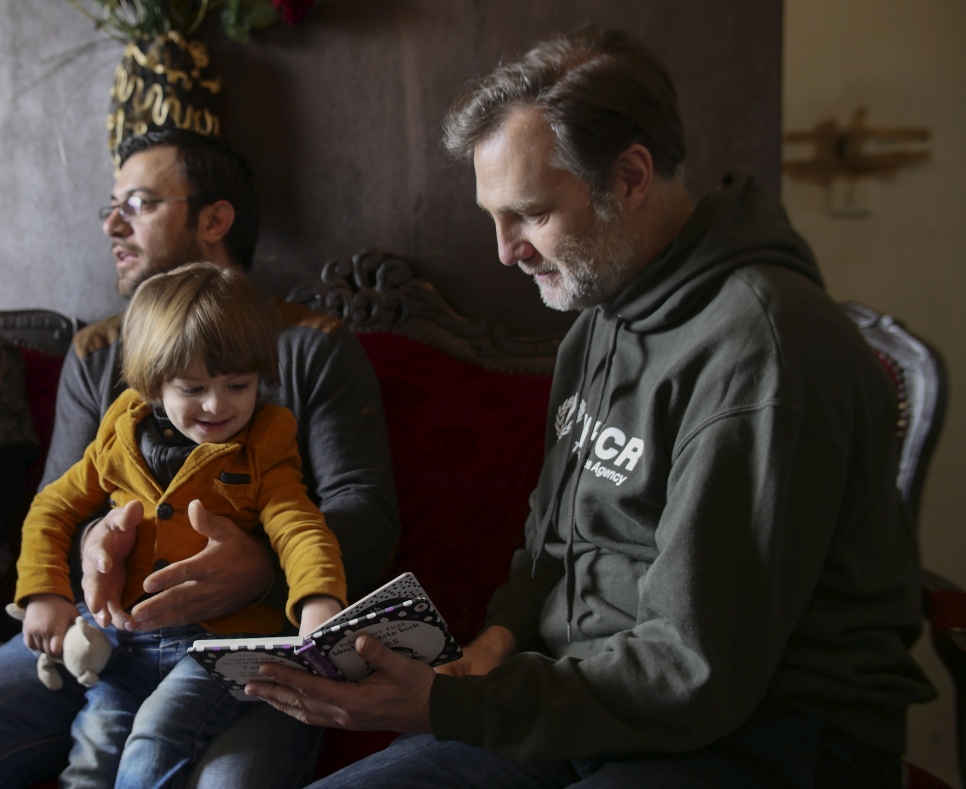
736	225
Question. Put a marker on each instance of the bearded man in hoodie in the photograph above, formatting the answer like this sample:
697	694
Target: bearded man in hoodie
719	587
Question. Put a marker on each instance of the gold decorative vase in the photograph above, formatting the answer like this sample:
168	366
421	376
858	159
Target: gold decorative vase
162	82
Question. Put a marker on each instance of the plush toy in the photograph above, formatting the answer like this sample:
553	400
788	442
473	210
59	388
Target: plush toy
86	652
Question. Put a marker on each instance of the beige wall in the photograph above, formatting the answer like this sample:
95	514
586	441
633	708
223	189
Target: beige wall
906	62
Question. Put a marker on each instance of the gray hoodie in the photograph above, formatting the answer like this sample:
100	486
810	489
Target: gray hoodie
733	542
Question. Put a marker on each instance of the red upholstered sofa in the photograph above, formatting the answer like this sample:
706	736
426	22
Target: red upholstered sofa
465	406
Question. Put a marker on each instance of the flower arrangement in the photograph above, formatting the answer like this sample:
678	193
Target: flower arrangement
130	20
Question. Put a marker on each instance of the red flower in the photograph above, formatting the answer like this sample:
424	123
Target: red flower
292	10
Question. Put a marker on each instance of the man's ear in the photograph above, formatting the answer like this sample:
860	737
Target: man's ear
215	220
634	176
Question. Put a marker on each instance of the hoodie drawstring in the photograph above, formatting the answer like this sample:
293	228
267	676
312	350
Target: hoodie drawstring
540	536
583	449
570	579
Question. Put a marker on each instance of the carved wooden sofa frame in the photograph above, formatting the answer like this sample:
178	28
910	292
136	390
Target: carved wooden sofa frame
375	292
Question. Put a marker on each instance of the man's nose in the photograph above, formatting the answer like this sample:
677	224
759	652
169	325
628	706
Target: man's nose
512	249
115	226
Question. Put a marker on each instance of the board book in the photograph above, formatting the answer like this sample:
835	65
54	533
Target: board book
400	614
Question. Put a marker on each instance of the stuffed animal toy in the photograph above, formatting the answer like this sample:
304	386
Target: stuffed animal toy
86	652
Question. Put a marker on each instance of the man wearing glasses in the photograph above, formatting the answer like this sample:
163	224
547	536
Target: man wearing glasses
181	197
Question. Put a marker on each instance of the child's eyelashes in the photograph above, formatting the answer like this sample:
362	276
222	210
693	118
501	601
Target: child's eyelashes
235	386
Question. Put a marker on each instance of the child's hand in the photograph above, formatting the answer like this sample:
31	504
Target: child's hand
315	611
47	619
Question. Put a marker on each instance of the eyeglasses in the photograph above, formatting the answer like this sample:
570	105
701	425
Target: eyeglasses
134	206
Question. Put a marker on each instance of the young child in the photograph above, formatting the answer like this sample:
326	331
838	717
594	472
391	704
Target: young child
197	342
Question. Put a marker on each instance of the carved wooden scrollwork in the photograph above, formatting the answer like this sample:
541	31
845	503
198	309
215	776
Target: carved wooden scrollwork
373	291
364	291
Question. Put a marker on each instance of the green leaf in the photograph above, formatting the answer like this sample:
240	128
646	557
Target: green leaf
263	15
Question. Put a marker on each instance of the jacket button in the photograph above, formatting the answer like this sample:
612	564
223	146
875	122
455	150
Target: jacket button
165	511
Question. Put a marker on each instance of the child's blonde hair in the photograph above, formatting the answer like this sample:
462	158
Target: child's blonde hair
198	310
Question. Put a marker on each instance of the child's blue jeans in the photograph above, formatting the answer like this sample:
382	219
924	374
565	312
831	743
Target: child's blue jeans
150	716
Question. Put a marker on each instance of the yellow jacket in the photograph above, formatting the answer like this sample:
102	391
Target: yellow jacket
255	476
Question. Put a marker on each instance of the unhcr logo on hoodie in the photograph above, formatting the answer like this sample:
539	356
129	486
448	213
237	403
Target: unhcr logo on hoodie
610	444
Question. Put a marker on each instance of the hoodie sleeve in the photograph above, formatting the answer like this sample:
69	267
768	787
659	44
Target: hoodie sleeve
752	499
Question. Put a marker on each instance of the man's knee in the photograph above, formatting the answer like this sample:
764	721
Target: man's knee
264	748
420	761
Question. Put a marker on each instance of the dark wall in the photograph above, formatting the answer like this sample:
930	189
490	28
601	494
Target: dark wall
340	118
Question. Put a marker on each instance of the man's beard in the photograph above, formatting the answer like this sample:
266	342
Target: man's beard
186	250
592	267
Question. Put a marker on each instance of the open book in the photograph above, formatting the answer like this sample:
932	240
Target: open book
400	614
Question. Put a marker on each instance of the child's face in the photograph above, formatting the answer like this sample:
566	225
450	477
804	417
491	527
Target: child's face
209	409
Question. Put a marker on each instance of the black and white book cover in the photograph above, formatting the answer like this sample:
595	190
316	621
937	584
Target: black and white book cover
399	614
